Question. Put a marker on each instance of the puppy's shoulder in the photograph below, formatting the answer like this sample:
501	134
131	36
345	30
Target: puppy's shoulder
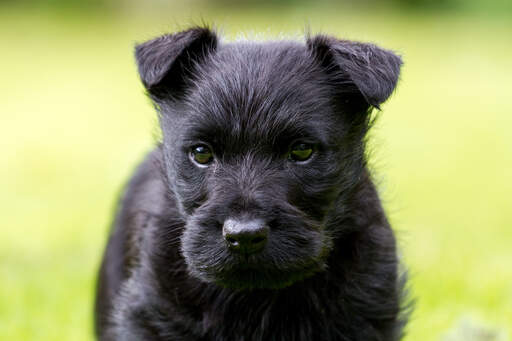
144	200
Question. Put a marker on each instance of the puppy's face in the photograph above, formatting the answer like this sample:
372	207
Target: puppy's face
256	164
261	144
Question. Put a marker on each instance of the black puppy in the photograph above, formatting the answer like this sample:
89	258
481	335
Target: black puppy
256	218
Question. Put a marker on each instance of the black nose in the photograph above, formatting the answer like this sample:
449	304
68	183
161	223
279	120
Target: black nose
246	236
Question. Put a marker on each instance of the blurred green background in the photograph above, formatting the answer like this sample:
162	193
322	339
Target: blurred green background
74	122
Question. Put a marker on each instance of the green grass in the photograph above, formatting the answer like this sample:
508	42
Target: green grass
74	122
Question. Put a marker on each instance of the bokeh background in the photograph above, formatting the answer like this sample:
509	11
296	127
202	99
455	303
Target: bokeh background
74	122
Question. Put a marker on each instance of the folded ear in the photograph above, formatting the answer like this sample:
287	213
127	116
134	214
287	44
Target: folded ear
373	71
166	62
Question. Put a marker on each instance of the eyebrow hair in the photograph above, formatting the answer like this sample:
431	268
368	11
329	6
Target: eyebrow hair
236	136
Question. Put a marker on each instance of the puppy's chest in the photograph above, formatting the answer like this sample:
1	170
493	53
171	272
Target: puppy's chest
289	320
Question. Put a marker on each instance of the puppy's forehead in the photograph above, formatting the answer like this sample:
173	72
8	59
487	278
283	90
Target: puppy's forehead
261	88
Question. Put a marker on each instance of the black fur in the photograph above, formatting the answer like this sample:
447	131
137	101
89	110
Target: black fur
329	269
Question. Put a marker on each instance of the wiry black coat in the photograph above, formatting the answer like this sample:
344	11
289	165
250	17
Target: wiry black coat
329	270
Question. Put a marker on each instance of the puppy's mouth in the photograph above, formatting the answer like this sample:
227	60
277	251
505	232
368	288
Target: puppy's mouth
248	276
244	271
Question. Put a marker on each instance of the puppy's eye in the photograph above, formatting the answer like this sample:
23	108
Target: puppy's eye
201	154
301	152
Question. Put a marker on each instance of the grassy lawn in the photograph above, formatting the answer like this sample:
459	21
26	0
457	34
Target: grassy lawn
74	122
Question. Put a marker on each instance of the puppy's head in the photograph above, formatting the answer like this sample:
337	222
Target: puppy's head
263	143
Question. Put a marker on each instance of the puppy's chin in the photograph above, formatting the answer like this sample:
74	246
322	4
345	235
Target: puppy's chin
243	275
251	279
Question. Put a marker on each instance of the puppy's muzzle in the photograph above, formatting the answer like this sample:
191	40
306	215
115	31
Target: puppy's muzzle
245	236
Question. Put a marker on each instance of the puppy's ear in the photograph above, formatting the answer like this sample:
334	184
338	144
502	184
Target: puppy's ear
365	68
166	62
